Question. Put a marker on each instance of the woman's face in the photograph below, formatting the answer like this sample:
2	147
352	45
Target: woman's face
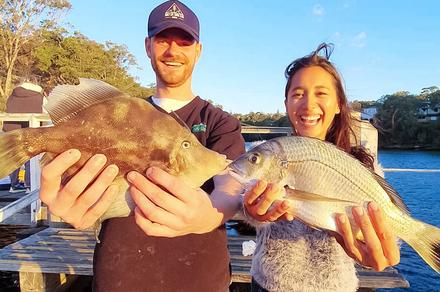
312	102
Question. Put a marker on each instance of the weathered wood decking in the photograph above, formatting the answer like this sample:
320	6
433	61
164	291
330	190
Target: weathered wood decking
41	257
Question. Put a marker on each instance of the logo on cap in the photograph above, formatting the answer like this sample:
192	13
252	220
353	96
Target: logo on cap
174	12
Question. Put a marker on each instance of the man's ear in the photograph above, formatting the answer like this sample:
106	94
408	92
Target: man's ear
148	46
198	51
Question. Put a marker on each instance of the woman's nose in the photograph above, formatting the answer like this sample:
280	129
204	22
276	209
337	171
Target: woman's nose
309	100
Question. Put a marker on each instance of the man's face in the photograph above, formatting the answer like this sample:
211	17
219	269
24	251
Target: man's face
173	54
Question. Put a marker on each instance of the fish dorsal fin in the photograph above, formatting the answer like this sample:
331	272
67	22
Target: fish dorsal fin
394	196
305	196
65	101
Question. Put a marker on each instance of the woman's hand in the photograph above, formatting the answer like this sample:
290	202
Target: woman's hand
262	202
379	249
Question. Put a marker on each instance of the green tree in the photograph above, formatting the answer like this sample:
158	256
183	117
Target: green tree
61	58
434	98
20	21
397	119
426	91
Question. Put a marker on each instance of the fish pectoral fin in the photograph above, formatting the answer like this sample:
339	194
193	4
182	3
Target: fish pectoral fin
306	196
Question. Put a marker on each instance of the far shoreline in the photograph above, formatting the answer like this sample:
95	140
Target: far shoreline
410	147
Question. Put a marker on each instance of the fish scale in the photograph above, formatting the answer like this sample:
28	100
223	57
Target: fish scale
321	181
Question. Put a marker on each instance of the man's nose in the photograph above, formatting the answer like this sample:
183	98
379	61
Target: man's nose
172	47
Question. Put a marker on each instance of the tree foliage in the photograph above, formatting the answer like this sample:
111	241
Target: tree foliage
263	119
61	58
21	20
32	44
398	125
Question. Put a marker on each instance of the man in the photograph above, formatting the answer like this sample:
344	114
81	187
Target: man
128	259
25	98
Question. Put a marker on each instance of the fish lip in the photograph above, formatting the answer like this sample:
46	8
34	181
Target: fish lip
236	174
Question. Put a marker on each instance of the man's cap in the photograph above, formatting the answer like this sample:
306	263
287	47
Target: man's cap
173	14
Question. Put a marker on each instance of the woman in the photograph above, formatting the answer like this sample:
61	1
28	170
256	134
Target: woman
291	256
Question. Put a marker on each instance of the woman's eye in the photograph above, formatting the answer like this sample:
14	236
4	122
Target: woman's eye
186	144
321	93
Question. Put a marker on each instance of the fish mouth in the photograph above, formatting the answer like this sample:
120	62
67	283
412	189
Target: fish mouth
237	174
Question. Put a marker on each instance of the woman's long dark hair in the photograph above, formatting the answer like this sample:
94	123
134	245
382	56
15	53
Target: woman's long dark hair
341	129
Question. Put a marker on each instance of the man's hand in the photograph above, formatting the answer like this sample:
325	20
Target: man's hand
380	248
167	207
78	202
263	204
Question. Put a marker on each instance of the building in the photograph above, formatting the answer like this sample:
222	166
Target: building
427	112
368	113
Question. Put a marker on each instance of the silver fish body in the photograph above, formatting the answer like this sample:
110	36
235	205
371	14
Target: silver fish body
322	180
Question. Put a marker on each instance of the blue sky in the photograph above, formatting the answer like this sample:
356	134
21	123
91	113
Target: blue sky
380	46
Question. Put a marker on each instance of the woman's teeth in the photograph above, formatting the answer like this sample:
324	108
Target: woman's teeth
310	120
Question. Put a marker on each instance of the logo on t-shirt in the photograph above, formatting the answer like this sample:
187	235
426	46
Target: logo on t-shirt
198	128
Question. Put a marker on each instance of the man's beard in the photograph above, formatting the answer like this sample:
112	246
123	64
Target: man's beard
173	78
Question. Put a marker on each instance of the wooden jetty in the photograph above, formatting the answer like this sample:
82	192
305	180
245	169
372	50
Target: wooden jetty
55	257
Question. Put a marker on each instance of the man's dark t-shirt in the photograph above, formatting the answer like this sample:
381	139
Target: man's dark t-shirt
129	260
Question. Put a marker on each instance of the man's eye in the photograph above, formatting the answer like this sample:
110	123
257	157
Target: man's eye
297	95
185	42
161	41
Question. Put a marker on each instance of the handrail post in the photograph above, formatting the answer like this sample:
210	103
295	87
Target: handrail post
35	171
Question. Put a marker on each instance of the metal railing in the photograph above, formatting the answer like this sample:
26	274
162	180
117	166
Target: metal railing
32	199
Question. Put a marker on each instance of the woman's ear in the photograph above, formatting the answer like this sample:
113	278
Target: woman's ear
338	109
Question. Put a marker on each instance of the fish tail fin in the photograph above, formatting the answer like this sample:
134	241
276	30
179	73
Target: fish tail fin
426	242
12	151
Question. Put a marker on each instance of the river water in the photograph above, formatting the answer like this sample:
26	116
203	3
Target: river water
421	193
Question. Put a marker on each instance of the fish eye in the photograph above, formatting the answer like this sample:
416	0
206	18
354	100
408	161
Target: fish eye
254	158
186	144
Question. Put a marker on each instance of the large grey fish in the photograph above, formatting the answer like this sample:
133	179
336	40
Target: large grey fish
321	180
95	117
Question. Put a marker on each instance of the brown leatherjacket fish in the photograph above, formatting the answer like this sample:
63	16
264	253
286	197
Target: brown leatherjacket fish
321	180
95	117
